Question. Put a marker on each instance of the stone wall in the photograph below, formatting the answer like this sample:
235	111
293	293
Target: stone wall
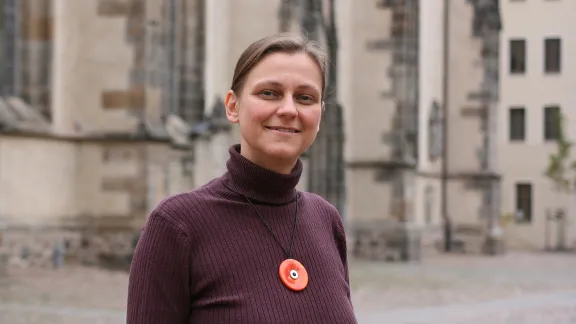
37	247
94	195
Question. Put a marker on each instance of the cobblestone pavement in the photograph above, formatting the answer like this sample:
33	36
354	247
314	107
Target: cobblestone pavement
516	288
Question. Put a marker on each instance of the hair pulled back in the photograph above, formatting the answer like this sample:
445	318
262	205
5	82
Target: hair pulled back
289	43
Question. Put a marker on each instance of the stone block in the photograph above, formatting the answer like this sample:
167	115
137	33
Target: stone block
137	97
387	240
37	28
119	184
115	99
35	248
124	99
113	8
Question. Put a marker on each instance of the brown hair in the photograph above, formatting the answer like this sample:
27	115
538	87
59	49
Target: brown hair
278	43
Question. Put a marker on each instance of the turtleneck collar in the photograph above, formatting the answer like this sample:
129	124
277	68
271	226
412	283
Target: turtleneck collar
257	183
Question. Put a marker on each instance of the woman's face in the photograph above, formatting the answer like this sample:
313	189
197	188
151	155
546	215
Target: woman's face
278	109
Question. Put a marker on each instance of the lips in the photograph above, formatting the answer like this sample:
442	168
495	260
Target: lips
284	129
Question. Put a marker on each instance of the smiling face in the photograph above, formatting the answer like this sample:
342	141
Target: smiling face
278	109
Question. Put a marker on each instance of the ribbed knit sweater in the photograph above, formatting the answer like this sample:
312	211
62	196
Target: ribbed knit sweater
205	256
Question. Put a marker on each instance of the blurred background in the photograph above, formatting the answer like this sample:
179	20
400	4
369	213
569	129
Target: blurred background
445	145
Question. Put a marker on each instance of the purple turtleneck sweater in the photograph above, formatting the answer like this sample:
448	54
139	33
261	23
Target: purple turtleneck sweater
205	256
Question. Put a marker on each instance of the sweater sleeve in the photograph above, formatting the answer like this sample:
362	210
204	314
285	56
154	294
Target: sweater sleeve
340	235
158	288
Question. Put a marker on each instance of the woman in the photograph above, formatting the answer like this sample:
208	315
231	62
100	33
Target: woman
248	247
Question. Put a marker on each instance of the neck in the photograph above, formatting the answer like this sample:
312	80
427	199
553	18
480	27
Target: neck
259	182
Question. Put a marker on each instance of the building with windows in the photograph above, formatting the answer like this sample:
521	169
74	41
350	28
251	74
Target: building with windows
426	138
420	88
538	79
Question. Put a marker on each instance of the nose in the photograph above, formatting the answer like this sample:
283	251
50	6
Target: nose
287	108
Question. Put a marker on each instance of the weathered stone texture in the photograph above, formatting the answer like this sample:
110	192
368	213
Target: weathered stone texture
124	99
115	99
37	28
119	184
35	248
113	8
135	184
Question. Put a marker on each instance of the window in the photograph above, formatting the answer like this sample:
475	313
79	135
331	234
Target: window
551	123
524	202
517	124
517	56
552	55
435	125
2	45
9	34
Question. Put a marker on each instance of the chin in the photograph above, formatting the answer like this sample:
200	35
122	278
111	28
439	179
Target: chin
282	151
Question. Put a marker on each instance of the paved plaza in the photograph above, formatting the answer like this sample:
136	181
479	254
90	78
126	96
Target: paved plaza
515	288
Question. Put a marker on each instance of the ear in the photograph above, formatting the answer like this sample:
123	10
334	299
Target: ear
231	103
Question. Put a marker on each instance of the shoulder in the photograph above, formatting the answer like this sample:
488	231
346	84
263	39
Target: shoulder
322	207
181	210
330	217
318	202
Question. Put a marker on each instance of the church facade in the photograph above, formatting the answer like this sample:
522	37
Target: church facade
108	106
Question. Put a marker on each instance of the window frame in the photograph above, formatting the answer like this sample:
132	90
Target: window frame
512	56
513	135
552	68
549	133
524	188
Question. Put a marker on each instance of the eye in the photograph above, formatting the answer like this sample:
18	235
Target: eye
307	99
268	94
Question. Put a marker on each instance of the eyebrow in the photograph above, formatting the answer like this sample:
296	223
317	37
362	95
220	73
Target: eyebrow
279	85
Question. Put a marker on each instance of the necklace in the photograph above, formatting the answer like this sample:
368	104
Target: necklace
292	273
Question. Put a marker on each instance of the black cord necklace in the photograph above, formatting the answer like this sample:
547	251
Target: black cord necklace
292	273
287	252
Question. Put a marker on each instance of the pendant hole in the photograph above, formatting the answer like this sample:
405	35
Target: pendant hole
294	274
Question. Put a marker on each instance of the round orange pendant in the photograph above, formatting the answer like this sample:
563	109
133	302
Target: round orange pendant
293	274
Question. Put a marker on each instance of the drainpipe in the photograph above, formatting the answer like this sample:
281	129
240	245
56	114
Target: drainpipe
447	226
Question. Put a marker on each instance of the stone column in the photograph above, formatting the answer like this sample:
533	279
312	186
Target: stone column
217	49
65	74
345	18
430	40
211	152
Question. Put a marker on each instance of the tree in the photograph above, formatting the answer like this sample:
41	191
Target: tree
559	164
558	171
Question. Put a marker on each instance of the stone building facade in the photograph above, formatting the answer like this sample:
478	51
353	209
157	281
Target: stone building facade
110	109
85	154
538	78
416	152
